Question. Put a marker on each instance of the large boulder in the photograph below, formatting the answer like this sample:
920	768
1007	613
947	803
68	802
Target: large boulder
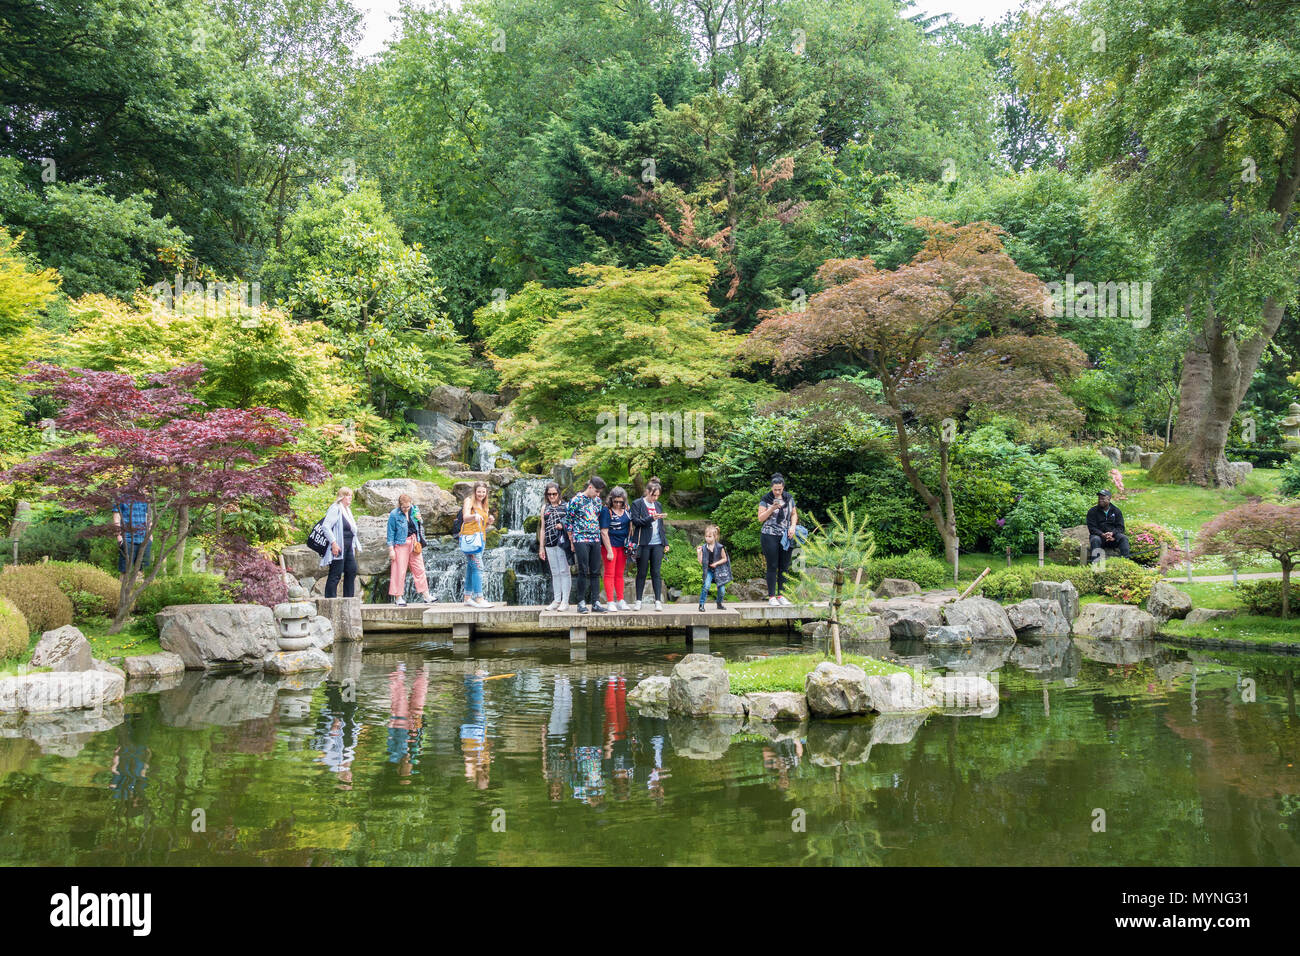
897	693
1038	618
218	636
1131	454
451	401
60	690
295	662
153	666
437	507
896	587
484	406
1166	602
908	617
835	690
63	649
301	561
321	631
1238	471
1113	453
1203	615
779	705
986	619
449	438
1148	459
1062	592
699	686
372	531
652	692
1114	622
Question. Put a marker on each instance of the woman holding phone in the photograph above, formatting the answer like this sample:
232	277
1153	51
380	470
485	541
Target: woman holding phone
649	535
777	514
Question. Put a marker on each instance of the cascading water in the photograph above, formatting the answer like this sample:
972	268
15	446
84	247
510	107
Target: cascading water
485	452
521	498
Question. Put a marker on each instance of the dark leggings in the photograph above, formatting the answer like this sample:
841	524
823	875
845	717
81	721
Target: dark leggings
590	568
778	562
651	556
345	567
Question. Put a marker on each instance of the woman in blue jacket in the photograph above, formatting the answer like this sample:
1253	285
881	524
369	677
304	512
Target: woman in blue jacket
405	542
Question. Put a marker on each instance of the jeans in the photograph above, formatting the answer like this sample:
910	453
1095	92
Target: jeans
474	574
345	567
587	554
561	581
704	589
1097	547
128	551
614	570
650	556
778	562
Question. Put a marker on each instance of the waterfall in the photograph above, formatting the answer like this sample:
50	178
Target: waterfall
519	499
484	451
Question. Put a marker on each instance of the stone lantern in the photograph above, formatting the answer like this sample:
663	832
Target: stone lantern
293	619
1291	426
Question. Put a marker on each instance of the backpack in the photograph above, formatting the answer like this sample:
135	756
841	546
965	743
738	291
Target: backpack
459	522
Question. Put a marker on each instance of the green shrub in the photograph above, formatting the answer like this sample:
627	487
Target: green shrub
1126	581
104	552
14	632
179	589
1145	538
746	567
30	589
1291	478
737	519
1087	468
1008	584
56	537
96	591
927	571
897	518
1265	597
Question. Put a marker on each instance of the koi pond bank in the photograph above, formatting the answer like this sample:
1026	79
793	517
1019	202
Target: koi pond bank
512	752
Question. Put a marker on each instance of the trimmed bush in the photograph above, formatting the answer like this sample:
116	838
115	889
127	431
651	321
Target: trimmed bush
1145	538
1265	597
927	571
179	589
681	567
93	592
30	589
1008	584
1126	581
737	519
15	636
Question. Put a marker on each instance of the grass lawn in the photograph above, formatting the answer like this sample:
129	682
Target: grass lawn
787	671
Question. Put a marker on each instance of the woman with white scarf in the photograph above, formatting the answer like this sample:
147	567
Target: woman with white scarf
345	545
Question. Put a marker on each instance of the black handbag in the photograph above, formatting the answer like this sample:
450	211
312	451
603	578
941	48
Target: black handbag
317	540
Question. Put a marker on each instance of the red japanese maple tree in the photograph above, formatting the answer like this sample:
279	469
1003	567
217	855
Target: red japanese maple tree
159	444
959	327
1253	529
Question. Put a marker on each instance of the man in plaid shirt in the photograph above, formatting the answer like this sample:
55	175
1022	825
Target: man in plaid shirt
131	518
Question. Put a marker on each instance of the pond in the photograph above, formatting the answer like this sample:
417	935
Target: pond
512	752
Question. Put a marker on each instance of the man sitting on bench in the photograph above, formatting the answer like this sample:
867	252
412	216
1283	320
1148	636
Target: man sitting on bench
1106	528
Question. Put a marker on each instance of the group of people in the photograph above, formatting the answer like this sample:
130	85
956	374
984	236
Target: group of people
590	538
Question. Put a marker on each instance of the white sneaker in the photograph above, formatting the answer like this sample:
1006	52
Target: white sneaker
774	602
470	602
399	601
636	606
659	605
562	608
781	599
622	605
483	603
553	605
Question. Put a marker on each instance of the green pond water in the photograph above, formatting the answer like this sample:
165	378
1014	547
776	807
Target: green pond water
409	755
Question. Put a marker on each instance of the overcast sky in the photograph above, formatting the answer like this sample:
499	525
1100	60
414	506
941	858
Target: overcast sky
378	28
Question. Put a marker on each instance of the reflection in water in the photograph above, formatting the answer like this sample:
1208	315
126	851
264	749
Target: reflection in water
404	757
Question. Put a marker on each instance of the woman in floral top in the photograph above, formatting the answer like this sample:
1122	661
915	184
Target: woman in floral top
582	519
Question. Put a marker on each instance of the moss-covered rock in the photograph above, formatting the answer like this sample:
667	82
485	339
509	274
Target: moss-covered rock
530	523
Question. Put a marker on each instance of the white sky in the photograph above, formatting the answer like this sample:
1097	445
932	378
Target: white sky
378	29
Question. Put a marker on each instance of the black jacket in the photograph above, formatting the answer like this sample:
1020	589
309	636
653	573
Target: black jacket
640	532
1101	520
